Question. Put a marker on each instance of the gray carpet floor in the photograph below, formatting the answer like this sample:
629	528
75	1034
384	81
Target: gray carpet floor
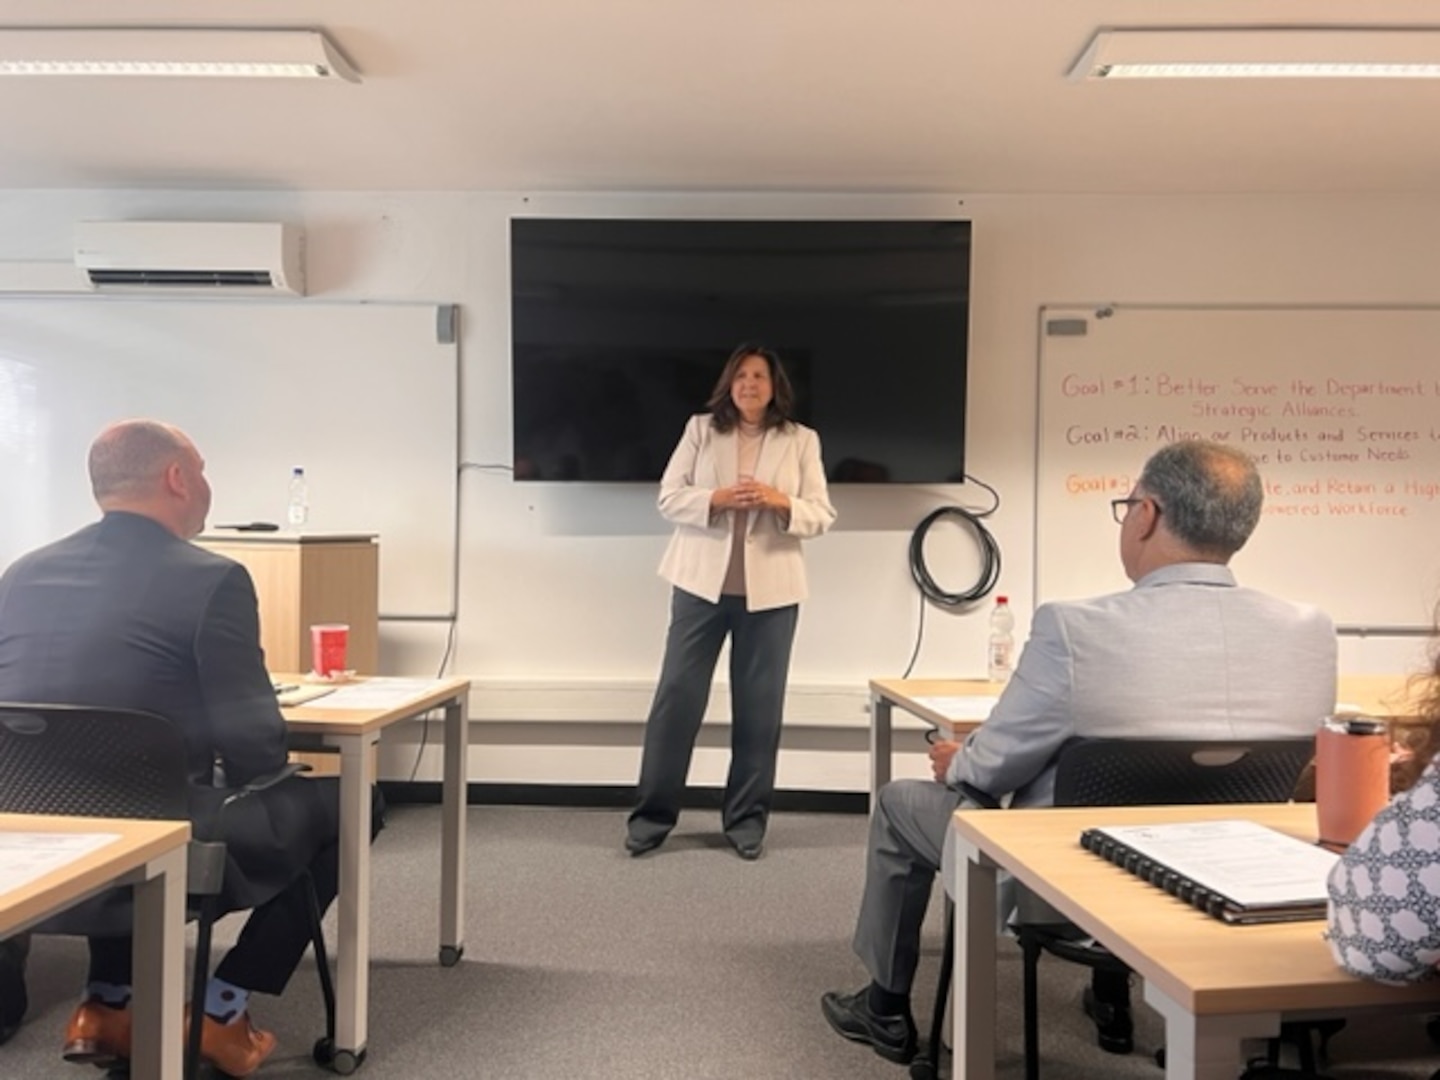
582	962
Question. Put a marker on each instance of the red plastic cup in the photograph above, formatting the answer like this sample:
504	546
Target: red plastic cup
1352	777
328	643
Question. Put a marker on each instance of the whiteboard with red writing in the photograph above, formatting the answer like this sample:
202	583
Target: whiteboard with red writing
1339	406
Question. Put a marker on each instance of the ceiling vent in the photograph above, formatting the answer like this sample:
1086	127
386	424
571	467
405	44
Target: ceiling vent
218	258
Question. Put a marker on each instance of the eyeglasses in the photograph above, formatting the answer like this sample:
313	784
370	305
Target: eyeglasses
1120	515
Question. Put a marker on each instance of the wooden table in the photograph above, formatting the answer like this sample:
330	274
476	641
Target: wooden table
150	856
354	733
1214	984
889	694
1380	695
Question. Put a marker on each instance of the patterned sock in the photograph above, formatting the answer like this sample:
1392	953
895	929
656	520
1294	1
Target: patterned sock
224	1001
116	995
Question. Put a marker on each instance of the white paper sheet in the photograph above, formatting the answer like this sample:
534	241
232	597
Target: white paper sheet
28	856
960	706
376	693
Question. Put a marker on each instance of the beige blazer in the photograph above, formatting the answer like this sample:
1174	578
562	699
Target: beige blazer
699	550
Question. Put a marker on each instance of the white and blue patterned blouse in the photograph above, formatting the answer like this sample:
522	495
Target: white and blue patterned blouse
1385	890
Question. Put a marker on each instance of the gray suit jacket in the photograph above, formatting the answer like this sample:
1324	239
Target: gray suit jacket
1186	654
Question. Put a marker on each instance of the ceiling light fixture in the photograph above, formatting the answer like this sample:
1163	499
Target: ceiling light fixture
1261	52
207	53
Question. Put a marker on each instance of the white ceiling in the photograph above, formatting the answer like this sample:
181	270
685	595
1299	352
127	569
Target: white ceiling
795	95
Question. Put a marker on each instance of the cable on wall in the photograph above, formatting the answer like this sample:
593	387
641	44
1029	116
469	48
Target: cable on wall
989	562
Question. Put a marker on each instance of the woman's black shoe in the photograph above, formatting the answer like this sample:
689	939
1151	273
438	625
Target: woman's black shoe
639	846
750	849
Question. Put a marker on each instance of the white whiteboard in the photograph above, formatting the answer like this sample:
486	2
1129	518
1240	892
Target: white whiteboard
1340	406
360	395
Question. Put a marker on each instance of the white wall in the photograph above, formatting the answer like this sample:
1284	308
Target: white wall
561	614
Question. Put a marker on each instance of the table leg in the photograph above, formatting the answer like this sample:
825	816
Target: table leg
880	745
1206	1047
973	1008
159	968
452	838
352	952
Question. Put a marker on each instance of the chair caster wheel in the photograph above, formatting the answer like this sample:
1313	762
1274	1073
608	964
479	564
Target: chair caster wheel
923	1070
1160	1057
343	1062
450	955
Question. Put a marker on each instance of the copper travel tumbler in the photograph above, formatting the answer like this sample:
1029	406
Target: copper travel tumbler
1352	777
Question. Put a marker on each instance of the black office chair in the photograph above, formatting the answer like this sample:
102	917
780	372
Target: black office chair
120	763
1127	772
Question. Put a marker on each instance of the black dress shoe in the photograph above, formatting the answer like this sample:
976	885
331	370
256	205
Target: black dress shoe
1114	1024
749	850
638	845
892	1037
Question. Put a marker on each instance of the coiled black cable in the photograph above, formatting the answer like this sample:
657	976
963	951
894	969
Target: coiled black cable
989	559
925	581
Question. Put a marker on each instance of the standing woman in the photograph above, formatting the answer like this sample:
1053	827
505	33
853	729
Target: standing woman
744	486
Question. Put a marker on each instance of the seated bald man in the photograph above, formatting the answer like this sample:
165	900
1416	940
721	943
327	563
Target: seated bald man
126	613
1187	653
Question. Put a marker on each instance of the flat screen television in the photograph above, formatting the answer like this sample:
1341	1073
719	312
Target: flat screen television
620	328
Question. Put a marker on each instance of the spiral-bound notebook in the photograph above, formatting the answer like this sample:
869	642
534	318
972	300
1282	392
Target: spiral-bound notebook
1237	871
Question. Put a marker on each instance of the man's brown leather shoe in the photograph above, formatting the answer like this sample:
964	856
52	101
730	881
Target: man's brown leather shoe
238	1048
98	1034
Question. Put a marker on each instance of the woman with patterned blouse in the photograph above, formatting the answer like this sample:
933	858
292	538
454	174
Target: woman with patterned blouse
1385	890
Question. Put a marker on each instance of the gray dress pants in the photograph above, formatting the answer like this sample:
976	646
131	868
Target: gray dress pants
760	644
907	836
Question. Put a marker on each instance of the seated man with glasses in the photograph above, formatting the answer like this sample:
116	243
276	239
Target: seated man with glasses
1186	653
1120	508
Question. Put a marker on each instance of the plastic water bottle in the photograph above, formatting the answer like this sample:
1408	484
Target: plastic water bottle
299	511
1001	651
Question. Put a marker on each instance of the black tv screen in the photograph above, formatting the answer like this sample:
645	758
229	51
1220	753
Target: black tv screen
620	329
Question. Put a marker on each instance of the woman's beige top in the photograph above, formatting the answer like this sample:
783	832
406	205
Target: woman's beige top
749	439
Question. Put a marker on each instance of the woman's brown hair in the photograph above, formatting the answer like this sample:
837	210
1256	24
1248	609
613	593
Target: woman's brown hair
1422	739
1420	733
723	414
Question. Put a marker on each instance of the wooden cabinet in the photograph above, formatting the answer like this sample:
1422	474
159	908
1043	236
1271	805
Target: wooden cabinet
302	579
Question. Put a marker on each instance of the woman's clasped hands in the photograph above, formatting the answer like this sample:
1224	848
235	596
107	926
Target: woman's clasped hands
750	494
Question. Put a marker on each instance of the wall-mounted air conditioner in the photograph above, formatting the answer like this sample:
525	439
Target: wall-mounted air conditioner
222	257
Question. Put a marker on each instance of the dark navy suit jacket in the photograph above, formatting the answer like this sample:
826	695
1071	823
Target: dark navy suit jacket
125	614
